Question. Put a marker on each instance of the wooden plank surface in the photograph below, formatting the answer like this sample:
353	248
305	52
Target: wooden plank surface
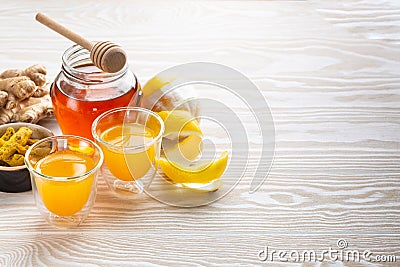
335	98
378	20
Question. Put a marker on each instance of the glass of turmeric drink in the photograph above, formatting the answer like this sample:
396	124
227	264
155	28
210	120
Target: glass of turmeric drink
130	138
64	172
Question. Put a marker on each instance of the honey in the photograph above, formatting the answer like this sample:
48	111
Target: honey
81	92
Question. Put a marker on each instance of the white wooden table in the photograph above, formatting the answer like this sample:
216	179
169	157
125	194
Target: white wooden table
330	71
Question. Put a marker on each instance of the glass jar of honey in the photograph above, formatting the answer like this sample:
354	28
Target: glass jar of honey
81	92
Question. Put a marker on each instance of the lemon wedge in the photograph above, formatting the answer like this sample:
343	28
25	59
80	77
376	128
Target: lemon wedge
182	144
202	173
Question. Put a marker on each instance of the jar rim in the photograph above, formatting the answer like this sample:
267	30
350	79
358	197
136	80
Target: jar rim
76	56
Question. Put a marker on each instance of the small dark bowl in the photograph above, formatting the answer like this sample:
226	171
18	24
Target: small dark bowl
17	179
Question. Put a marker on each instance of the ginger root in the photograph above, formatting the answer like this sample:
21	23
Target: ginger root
6	115
42	90
21	87
33	112
37	73
24	95
3	98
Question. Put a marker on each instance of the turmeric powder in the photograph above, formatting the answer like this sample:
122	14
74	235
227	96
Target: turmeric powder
7	135
16	160
16	143
22	149
31	141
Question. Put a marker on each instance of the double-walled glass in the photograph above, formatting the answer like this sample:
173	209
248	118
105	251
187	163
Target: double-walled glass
130	138
81	92
64	172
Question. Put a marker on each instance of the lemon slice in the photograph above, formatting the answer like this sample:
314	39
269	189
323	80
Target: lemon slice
179	123
184	151
154	84
82	148
203	173
211	187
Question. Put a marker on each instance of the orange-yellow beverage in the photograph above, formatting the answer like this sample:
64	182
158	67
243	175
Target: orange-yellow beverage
60	195
125	158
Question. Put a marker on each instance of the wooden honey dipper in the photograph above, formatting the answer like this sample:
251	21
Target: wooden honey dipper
106	55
